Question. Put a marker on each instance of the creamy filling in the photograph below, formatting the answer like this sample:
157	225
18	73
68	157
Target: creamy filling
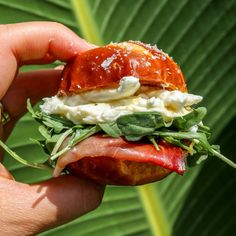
106	105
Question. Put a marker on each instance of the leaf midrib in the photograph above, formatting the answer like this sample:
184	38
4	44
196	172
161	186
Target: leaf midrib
86	22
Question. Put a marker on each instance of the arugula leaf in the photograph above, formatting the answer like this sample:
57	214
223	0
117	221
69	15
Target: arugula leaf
111	129
55	129
63	120
133	138
60	141
57	126
54	121
21	160
44	132
178	135
78	136
204	129
202	146
222	157
200	137
139	124
30	108
179	143
154	142
85	133
189	120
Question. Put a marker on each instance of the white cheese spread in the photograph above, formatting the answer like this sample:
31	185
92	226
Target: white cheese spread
106	105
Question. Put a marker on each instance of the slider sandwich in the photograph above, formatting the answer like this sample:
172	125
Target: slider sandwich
123	116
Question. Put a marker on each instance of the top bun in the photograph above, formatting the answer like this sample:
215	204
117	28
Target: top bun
105	66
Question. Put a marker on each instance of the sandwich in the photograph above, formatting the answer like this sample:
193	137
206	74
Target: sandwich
123	116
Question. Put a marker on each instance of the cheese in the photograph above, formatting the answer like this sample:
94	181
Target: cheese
106	105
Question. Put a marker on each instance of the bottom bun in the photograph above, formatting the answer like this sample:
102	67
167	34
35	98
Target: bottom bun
105	170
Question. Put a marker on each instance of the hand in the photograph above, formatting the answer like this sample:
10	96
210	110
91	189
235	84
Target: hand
30	209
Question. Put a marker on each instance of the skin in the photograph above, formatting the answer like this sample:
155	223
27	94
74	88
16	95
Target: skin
30	209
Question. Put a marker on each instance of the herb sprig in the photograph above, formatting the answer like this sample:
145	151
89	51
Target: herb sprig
60	134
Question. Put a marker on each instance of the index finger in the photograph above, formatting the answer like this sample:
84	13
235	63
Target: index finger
35	43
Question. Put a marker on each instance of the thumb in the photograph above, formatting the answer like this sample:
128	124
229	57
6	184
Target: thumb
47	204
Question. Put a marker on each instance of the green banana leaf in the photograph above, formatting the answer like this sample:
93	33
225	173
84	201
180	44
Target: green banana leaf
201	37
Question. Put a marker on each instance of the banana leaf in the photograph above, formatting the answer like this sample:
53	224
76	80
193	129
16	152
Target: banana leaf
201	37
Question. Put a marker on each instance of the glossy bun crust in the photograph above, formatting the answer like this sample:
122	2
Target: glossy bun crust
106	66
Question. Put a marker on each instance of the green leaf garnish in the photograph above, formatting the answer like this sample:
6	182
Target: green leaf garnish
60	141
179	143
189	120
58	131
22	161
111	129
77	137
139	124
154	142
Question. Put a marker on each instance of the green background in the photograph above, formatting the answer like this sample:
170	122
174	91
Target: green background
201	37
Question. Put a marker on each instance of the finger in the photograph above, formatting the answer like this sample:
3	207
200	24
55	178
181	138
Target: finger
33	85
35	42
48	204
4	173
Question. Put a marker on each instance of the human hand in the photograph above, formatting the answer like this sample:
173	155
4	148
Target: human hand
30	209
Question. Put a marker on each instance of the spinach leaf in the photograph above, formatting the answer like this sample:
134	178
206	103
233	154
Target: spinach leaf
189	120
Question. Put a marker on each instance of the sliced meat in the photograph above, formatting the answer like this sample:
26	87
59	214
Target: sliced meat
116	161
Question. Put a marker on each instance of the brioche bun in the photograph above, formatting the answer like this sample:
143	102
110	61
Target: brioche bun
106	66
